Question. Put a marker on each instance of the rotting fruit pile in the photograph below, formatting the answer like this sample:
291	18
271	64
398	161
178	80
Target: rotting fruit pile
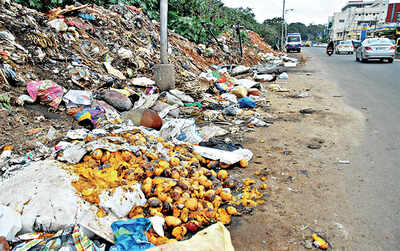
189	191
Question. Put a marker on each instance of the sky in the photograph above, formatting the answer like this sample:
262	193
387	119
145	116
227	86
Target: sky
305	11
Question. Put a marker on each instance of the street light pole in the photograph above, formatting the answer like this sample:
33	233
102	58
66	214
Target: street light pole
283	23
164	73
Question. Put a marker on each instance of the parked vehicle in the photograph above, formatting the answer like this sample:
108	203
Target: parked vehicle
344	47
293	42
307	44
376	48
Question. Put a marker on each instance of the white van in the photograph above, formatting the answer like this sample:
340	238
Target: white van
293	42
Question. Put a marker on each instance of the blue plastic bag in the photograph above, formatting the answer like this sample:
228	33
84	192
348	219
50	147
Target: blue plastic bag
246	103
130	235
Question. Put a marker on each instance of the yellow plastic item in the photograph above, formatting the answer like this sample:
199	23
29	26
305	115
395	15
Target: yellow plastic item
321	243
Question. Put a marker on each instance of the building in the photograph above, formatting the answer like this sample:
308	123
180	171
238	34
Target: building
357	14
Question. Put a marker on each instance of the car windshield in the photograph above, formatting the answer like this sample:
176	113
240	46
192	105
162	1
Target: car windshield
294	39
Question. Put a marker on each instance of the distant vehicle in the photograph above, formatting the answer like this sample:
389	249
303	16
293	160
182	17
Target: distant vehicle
344	47
307	44
376	48
293	42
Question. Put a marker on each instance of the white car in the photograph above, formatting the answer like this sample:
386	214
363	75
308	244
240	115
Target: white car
376	48
344	47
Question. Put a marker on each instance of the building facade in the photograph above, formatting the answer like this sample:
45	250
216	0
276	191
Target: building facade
346	25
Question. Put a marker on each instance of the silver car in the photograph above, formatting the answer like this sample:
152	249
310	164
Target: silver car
376	48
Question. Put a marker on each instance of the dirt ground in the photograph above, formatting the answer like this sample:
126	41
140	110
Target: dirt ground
301	155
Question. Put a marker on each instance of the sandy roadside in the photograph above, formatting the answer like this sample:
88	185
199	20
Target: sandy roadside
301	157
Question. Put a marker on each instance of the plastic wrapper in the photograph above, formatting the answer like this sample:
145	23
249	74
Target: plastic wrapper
110	69
47	90
247	83
239	91
158	223
264	77
211	131
247	103
230	97
215	237
133	196
10	222
224	156
172	100
75	98
231	110
182	96
284	76
130	235
142	82
240	70
182	130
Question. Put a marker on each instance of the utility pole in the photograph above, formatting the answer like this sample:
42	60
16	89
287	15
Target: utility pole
164	72
283	24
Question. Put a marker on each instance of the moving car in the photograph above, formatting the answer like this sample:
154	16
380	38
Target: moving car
344	47
376	48
293	42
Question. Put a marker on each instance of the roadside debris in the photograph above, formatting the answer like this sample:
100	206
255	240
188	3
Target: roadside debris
129	150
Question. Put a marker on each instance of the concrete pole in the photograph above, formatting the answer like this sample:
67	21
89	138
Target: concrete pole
164	73
164	31
283	24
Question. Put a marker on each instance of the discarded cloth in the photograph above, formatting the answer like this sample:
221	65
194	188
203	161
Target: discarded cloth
47	90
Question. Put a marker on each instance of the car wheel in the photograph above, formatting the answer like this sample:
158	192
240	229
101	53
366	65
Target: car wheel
390	60
357	59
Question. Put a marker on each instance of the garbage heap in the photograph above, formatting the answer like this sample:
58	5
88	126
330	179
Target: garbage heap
138	153
82	47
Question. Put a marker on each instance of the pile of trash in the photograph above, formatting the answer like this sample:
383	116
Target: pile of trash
122	171
158	161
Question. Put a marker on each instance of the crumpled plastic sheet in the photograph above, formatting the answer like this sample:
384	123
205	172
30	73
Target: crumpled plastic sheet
75	98
130	235
47	90
132	197
226	157
181	130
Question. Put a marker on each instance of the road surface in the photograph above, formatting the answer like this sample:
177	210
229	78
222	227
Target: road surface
373	181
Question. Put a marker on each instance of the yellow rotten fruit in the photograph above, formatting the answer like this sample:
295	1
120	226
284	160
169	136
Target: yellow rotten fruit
222	175
223	216
97	154
191	204
172	221
248	181
226	196
232	211
244	163
179	232
174	161
163	164
184	215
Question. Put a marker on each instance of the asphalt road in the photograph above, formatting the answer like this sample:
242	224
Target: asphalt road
373	181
